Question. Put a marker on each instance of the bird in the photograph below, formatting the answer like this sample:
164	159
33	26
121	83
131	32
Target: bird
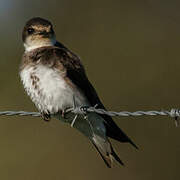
55	79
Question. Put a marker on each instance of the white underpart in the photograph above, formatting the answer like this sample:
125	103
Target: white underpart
55	94
31	45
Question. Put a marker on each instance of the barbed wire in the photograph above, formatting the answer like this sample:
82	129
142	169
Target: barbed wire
175	113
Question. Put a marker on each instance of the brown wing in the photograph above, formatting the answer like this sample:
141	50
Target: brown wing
62	58
76	72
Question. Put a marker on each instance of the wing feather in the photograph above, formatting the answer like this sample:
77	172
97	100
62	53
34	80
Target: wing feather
61	58
76	73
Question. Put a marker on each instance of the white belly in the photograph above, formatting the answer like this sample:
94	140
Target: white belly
49	91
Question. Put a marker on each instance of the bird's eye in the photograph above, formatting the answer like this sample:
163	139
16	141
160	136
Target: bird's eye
30	30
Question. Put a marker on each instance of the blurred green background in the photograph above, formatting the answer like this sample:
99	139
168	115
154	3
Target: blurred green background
131	53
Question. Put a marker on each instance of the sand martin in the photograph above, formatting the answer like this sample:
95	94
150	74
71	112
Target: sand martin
54	77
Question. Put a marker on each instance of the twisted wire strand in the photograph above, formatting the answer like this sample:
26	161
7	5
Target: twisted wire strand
19	113
84	109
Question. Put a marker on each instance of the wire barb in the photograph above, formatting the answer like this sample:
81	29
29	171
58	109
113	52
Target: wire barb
73	121
175	113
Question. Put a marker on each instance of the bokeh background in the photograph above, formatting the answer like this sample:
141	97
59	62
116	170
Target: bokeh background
130	49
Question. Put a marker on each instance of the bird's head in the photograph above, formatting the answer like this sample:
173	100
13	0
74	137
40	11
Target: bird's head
38	32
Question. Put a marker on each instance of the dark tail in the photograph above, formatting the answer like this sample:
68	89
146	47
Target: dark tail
106	151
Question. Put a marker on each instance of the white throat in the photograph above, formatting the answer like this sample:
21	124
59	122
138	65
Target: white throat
31	45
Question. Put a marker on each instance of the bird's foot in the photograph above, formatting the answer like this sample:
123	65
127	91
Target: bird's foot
64	113
46	116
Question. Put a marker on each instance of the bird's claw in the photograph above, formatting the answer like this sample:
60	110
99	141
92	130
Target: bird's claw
46	116
64	113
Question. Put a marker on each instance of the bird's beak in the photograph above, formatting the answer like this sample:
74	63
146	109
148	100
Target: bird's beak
44	34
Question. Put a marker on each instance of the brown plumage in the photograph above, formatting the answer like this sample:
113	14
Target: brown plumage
58	58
